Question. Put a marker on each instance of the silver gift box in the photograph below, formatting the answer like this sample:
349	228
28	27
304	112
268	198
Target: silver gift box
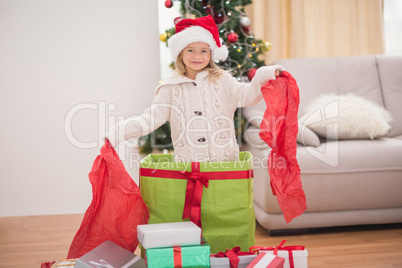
110	255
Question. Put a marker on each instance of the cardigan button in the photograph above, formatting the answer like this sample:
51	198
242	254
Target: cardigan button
201	139
194	83
198	112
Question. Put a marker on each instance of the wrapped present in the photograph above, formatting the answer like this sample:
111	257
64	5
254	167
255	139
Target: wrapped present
108	254
217	196
295	256
187	256
233	258
265	260
160	235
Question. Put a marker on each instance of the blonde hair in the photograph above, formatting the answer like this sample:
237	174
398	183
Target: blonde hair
214	70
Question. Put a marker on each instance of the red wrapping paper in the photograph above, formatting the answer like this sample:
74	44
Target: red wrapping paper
47	264
279	130
116	208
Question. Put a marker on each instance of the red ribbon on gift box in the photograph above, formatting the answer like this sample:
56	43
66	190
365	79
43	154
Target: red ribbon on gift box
196	181
233	256
177	257
289	249
195	185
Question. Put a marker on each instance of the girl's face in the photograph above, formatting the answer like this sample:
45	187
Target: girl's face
196	57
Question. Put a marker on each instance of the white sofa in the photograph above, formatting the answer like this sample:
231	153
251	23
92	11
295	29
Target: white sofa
346	182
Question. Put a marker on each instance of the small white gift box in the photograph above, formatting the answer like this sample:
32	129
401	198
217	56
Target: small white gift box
172	234
295	256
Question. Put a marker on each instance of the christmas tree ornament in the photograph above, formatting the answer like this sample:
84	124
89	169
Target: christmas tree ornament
246	29
251	73
218	18
177	19
163	37
267	45
168	3
233	37
244	21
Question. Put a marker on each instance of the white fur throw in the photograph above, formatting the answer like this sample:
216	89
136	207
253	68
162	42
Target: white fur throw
346	117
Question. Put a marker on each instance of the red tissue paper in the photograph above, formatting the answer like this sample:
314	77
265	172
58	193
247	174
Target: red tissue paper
279	130
47	264
116	208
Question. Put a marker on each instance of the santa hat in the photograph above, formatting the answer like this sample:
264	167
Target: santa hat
201	29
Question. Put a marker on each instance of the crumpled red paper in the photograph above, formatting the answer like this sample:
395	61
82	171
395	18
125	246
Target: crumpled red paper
116	208
279	130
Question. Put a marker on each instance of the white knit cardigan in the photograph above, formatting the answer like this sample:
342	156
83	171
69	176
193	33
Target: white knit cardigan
200	113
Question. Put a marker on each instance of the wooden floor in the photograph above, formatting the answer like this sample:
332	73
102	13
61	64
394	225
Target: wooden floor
28	241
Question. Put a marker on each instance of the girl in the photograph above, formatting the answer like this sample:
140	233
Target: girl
199	100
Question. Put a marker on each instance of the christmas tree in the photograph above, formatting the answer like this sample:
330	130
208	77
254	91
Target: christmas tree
245	52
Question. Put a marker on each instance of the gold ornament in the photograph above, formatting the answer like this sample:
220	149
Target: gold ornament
163	37
268	45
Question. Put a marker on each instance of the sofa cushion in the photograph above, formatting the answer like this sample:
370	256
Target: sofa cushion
346	117
389	68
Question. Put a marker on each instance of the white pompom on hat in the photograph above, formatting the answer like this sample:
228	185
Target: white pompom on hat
201	29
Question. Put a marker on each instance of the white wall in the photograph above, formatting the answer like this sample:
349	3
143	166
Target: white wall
166	21
82	63
393	27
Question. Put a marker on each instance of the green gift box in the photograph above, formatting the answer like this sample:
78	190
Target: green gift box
187	256
218	196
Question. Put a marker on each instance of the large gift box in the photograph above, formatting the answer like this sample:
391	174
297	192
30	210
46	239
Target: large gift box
169	234
217	196
187	256
108	254
295	256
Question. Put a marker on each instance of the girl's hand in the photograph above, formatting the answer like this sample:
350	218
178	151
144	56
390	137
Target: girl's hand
278	73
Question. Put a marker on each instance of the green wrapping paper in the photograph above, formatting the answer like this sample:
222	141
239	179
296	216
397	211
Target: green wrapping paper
227	212
191	256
